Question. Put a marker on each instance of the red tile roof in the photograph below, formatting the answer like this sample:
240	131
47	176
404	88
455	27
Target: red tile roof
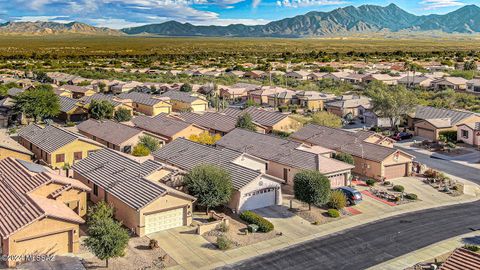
462	259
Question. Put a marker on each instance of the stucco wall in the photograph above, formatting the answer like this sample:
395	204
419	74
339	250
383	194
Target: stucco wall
4	153
71	195
69	150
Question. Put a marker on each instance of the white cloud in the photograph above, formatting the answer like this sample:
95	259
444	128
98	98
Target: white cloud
436	4
305	3
60	19
255	3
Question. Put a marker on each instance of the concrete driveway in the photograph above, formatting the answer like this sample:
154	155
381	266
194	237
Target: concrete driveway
60	263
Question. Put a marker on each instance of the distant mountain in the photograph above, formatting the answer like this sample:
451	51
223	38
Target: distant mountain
342	21
46	28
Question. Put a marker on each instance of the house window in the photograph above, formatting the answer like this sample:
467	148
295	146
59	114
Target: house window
77	155
465	134
127	149
60	158
95	190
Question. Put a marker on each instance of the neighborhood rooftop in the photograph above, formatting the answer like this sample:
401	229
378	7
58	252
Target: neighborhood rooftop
426	112
259	116
143	98
161	124
210	120
108	130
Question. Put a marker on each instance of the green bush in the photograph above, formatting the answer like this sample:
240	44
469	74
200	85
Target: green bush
448	135
387	183
398	188
223	227
347	158
223	243
333	213
252	218
337	200
70	124
473	248
370	182
411	196
451	145
140	151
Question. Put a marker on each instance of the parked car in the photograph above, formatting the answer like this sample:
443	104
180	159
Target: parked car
402	136
353	196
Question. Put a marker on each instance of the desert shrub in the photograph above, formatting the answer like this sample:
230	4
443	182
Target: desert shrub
140	151
223	243
451	145
333	213
386	183
448	135
473	248
398	188
411	196
153	244
370	182
253	218
347	158
70	124
337	200
223	227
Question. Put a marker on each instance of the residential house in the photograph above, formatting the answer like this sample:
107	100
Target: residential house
316	76
473	86
269	119
11	148
238	91
215	122
60	78
469	133
183	101
167	127
416	81
455	83
428	122
349	106
372	159
7	114
114	135
286	158
285	98
124	87
261	95
313	100
117	102
371	118
40	211
252	188
78	91
384	78
55	146
354	78
143	194
254	74
298	75
147	104
235	73
72	110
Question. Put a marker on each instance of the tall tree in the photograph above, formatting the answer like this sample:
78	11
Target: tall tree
327	119
107	238
101	109
391	102
245	121
211	185
311	187
38	103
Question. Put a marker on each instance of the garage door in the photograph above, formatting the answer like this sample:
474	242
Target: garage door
258	199
426	133
163	220
395	171
337	180
59	243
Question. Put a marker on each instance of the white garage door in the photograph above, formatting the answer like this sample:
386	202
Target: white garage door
337	180
163	220
258	199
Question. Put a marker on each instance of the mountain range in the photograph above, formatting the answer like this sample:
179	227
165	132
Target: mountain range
345	21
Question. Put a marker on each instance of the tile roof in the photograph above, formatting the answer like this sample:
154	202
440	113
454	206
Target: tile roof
211	120
143	98
8	143
426	112
343	141
56	209
186	155
17	208
259	116
108	130
67	104
279	150
161	124
182	96
99	96
350	103
461	259
122	177
474	126
49	138
76	88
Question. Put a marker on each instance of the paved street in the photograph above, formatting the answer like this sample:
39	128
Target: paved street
453	168
371	244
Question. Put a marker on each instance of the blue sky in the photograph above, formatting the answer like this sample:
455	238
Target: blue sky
128	13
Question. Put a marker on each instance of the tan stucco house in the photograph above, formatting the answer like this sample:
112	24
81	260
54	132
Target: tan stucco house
269	119
167	127
40	211
371	159
469	133
147	104
153	205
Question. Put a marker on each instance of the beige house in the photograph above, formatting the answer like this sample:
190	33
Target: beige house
183	101
469	133
153	205
215	122
252	187
41	211
286	158
167	127
429	122
114	135
269	119
313	100
384	78
371	159
147	104
455	83
353	106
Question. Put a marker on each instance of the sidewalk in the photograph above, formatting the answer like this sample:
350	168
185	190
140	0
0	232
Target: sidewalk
424	254
192	251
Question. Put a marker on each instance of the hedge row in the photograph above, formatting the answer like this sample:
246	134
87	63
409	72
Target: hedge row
252	218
